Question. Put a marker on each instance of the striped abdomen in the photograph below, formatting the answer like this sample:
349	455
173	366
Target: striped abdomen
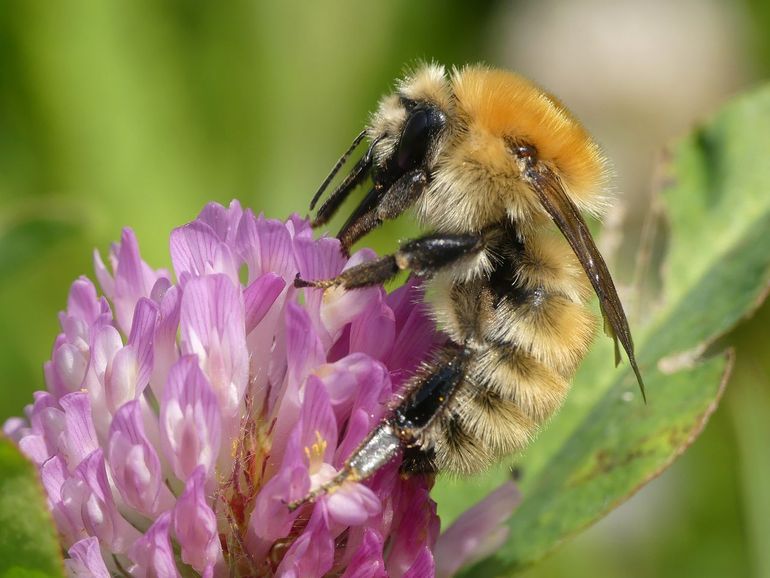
524	328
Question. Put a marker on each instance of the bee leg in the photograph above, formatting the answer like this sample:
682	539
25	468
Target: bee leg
423	256
428	393
381	204
377	449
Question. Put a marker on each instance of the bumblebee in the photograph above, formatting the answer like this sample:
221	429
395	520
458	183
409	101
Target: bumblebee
499	172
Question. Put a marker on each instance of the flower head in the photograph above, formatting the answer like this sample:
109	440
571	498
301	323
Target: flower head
181	417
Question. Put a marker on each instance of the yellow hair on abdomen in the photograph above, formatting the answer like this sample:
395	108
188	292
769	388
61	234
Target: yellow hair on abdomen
507	106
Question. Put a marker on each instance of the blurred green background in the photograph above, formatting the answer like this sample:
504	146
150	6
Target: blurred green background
137	113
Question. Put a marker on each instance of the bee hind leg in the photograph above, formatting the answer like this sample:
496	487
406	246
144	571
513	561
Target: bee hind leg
426	396
377	449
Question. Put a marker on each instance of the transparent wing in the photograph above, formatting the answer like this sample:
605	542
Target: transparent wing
568	219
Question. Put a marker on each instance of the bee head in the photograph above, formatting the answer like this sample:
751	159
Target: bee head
404	135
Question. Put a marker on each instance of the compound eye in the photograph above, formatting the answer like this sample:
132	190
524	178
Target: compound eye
415	138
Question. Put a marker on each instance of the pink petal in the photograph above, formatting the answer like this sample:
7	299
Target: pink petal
303	353
152	553
133	279
339	307
317	419
213	328
165	351
358	427
70	363
52	476
197	250
224	221
415	527
259	296
299	227
65	498
159	289
129	371
104	277
105	343
134	463
267	344
312	554
478	532
100	516
66	371
271	518
83	303
358	380
373	332
15	428
189	419
416	334
121	379
195	525
276	248
352	504
423	566
34	447
318	259
374	391
86	560
50	423
303	349
367	561
265	245
79	430
141	340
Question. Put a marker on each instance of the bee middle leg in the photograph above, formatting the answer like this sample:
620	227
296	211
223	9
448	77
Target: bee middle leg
423	256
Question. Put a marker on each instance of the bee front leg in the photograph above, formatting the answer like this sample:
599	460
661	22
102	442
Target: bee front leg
381	204
422	256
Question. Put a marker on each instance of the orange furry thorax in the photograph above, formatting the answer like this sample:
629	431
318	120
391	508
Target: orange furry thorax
503	105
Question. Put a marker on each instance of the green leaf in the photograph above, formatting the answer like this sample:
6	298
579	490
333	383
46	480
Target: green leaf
28	543
605	443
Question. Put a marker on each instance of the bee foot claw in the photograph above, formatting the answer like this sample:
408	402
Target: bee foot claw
299	283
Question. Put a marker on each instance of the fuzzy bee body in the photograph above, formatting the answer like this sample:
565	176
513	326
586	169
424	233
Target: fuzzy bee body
499	172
